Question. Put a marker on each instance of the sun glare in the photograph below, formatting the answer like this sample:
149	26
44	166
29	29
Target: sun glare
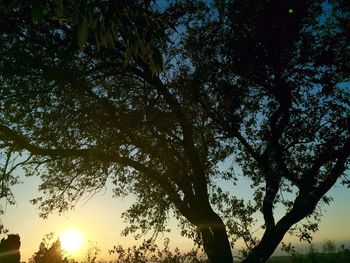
71	241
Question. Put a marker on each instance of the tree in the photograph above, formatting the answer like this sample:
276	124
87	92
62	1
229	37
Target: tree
9	249
134	25
264	83
49	252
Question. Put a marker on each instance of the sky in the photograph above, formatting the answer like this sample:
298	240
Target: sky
99	220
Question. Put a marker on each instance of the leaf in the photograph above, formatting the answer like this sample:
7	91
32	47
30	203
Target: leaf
37	13
13	5
127	58
156	61
59	9
83	32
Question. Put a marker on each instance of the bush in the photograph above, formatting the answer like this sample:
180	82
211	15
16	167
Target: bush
329	254
148	252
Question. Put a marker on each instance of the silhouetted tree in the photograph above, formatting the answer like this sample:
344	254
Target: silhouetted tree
263	83
92	252
9	249
49	252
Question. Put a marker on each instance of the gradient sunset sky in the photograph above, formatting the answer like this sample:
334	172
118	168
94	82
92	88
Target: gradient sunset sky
98	220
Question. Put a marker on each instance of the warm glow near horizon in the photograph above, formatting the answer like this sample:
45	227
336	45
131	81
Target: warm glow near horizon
71	240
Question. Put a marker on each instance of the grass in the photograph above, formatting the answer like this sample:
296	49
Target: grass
328	254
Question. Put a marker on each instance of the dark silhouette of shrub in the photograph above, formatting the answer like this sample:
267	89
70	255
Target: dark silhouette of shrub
50	252
148	252
330	253
9	249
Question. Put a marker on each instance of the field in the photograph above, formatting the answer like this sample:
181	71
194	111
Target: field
328	254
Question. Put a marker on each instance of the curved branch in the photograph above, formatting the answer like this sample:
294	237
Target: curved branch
338	169
329	154
23	143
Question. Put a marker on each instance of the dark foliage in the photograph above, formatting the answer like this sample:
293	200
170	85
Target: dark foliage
264	84
9	249
50	252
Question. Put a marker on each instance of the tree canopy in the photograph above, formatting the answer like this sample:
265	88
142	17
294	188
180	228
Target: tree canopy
262	83
50	252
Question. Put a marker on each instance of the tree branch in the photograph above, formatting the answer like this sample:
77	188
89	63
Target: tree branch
328	154
338	169
23	143
188	136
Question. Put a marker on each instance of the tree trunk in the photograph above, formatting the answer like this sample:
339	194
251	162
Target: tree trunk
267	246
215	240
274	235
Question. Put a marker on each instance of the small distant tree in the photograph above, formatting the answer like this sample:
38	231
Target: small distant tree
9	249
92	253
50	252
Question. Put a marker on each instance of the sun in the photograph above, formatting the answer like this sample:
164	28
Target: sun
71	241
